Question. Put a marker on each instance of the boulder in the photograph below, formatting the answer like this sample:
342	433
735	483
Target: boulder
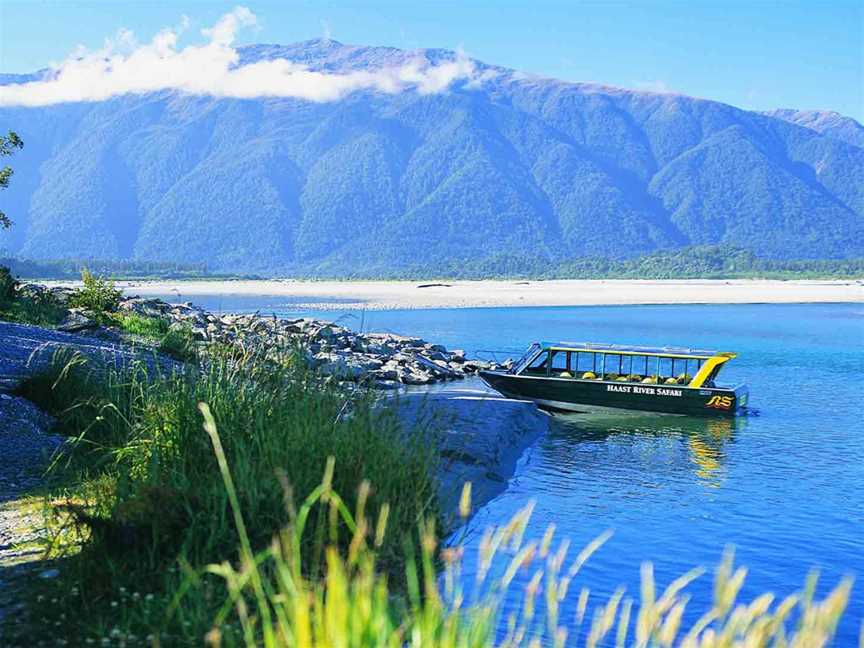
76	320
482	436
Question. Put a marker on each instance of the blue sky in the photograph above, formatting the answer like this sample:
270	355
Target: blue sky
757	55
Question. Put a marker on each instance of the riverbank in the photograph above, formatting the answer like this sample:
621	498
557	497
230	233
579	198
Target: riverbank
157	492
383	295
415	452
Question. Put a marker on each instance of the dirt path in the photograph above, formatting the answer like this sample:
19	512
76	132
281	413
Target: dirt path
25	448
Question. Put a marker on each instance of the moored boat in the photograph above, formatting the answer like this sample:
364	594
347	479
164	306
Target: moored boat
583	376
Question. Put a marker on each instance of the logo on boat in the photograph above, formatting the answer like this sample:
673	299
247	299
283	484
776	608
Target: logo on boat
720	402
636	389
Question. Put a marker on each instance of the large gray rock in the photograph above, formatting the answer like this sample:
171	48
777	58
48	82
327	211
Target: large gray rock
483	435
25	349
76	321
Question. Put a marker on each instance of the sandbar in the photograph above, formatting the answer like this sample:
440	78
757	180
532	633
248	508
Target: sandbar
383	295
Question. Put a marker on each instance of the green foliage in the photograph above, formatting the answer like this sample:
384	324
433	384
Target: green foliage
153	328
700	262
39	308
387	185
146	491
179	343
8	144
97	295
8	287
71	268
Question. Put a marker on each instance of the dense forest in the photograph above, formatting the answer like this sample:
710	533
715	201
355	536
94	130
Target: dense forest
703	262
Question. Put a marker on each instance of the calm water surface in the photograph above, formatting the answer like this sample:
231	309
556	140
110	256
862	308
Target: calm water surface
786	487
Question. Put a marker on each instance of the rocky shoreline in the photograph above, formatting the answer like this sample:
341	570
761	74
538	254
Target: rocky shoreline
382	360
482	435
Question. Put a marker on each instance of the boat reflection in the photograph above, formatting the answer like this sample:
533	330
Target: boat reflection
705	439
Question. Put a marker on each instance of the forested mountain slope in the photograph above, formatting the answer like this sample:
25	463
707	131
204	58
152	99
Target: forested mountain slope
503	164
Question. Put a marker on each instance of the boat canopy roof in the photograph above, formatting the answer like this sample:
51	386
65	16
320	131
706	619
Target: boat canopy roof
627	349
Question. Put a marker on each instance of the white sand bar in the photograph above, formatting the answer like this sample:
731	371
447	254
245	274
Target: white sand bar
467	294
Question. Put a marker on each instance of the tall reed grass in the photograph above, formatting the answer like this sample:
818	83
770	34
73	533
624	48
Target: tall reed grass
139	490
271	602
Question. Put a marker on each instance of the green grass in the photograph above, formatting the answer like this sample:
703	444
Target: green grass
153	328
270	601
176	342
144	491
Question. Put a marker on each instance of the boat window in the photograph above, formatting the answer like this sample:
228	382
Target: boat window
641	366
613	365
517	368
586	361
560	362
665	370
687	369
538	365
635	368
626	365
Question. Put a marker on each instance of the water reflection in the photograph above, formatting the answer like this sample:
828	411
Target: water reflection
649	436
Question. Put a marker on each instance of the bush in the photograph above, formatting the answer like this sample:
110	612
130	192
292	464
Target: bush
97	295
179	343
8	287
27	307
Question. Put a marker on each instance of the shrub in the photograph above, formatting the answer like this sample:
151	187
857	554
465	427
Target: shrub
179	343
8	287
27	307
97	295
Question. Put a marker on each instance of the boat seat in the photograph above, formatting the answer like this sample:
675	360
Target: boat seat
565	374
671	381
650	380
635	378
589	375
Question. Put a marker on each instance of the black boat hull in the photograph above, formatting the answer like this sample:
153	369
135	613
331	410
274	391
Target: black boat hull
568	394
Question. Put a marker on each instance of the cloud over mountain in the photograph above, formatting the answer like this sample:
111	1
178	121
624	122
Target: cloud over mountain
123	66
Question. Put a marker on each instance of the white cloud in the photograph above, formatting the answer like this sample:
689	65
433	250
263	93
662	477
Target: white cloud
124	66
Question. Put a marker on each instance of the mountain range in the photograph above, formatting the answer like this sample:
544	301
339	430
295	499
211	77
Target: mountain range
376	182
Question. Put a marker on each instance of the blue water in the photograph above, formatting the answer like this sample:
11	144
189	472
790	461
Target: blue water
786	487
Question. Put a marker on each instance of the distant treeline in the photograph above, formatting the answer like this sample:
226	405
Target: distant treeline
703	262
700	262
71	269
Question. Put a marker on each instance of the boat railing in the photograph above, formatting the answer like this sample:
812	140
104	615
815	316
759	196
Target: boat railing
498	356
633	347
